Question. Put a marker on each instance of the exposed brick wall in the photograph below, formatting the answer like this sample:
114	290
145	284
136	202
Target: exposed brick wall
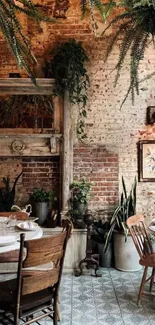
107	124
41	171
98	166
37	172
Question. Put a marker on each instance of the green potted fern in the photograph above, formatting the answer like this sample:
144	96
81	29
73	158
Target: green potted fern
125	254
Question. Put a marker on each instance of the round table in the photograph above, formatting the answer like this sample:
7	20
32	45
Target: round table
29	234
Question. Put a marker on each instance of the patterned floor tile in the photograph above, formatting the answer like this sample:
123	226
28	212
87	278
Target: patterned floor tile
110	320
135	319
109	300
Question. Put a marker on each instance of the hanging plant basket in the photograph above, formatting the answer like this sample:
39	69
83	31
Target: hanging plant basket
133	28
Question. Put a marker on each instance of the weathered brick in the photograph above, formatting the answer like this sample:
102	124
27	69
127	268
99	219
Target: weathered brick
98	157
112	129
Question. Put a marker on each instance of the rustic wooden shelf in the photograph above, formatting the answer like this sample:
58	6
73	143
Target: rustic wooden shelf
34	135
19	86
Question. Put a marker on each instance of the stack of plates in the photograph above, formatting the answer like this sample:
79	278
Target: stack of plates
7	240
4	219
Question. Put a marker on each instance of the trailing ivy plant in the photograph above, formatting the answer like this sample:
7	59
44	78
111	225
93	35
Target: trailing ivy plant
12	30
67	68
133	27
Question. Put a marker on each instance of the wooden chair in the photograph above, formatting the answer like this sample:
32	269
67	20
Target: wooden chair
143	245
36	287
19	215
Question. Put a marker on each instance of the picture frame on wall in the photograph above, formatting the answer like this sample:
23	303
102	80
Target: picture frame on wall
146	161
150	115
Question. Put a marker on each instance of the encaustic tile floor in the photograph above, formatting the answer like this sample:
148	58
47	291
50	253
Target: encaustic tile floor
107	300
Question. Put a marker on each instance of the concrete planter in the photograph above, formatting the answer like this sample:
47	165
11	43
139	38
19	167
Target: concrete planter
41	211
125	253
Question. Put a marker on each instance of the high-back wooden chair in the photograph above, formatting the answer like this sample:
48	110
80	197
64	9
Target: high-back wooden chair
38	279
143	245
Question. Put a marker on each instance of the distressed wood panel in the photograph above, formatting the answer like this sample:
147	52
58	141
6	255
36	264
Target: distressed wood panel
28	146
19	86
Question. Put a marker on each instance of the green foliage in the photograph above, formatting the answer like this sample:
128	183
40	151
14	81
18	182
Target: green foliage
12	30
41	195
152	238
80	194
7	195
125	209
101	230
133	26
67	67
20	104
80	191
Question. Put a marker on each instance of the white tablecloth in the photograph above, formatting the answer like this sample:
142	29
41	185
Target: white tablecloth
33	234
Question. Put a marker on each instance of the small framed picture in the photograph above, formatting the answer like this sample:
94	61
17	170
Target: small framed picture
146	161
150	115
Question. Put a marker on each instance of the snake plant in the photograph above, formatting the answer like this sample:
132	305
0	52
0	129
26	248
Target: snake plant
125	209
7	195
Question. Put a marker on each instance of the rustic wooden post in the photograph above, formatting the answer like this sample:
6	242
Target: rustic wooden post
67	163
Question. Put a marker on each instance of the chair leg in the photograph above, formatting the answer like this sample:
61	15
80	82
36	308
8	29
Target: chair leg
55	317
16	318
58	312
55	310
152	278
142	284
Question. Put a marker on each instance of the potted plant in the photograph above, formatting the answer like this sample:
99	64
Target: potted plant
7	194
125	254
99	235
67	68
80	194
41	203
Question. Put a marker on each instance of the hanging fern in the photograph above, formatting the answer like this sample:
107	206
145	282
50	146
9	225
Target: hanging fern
135	25
13	31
